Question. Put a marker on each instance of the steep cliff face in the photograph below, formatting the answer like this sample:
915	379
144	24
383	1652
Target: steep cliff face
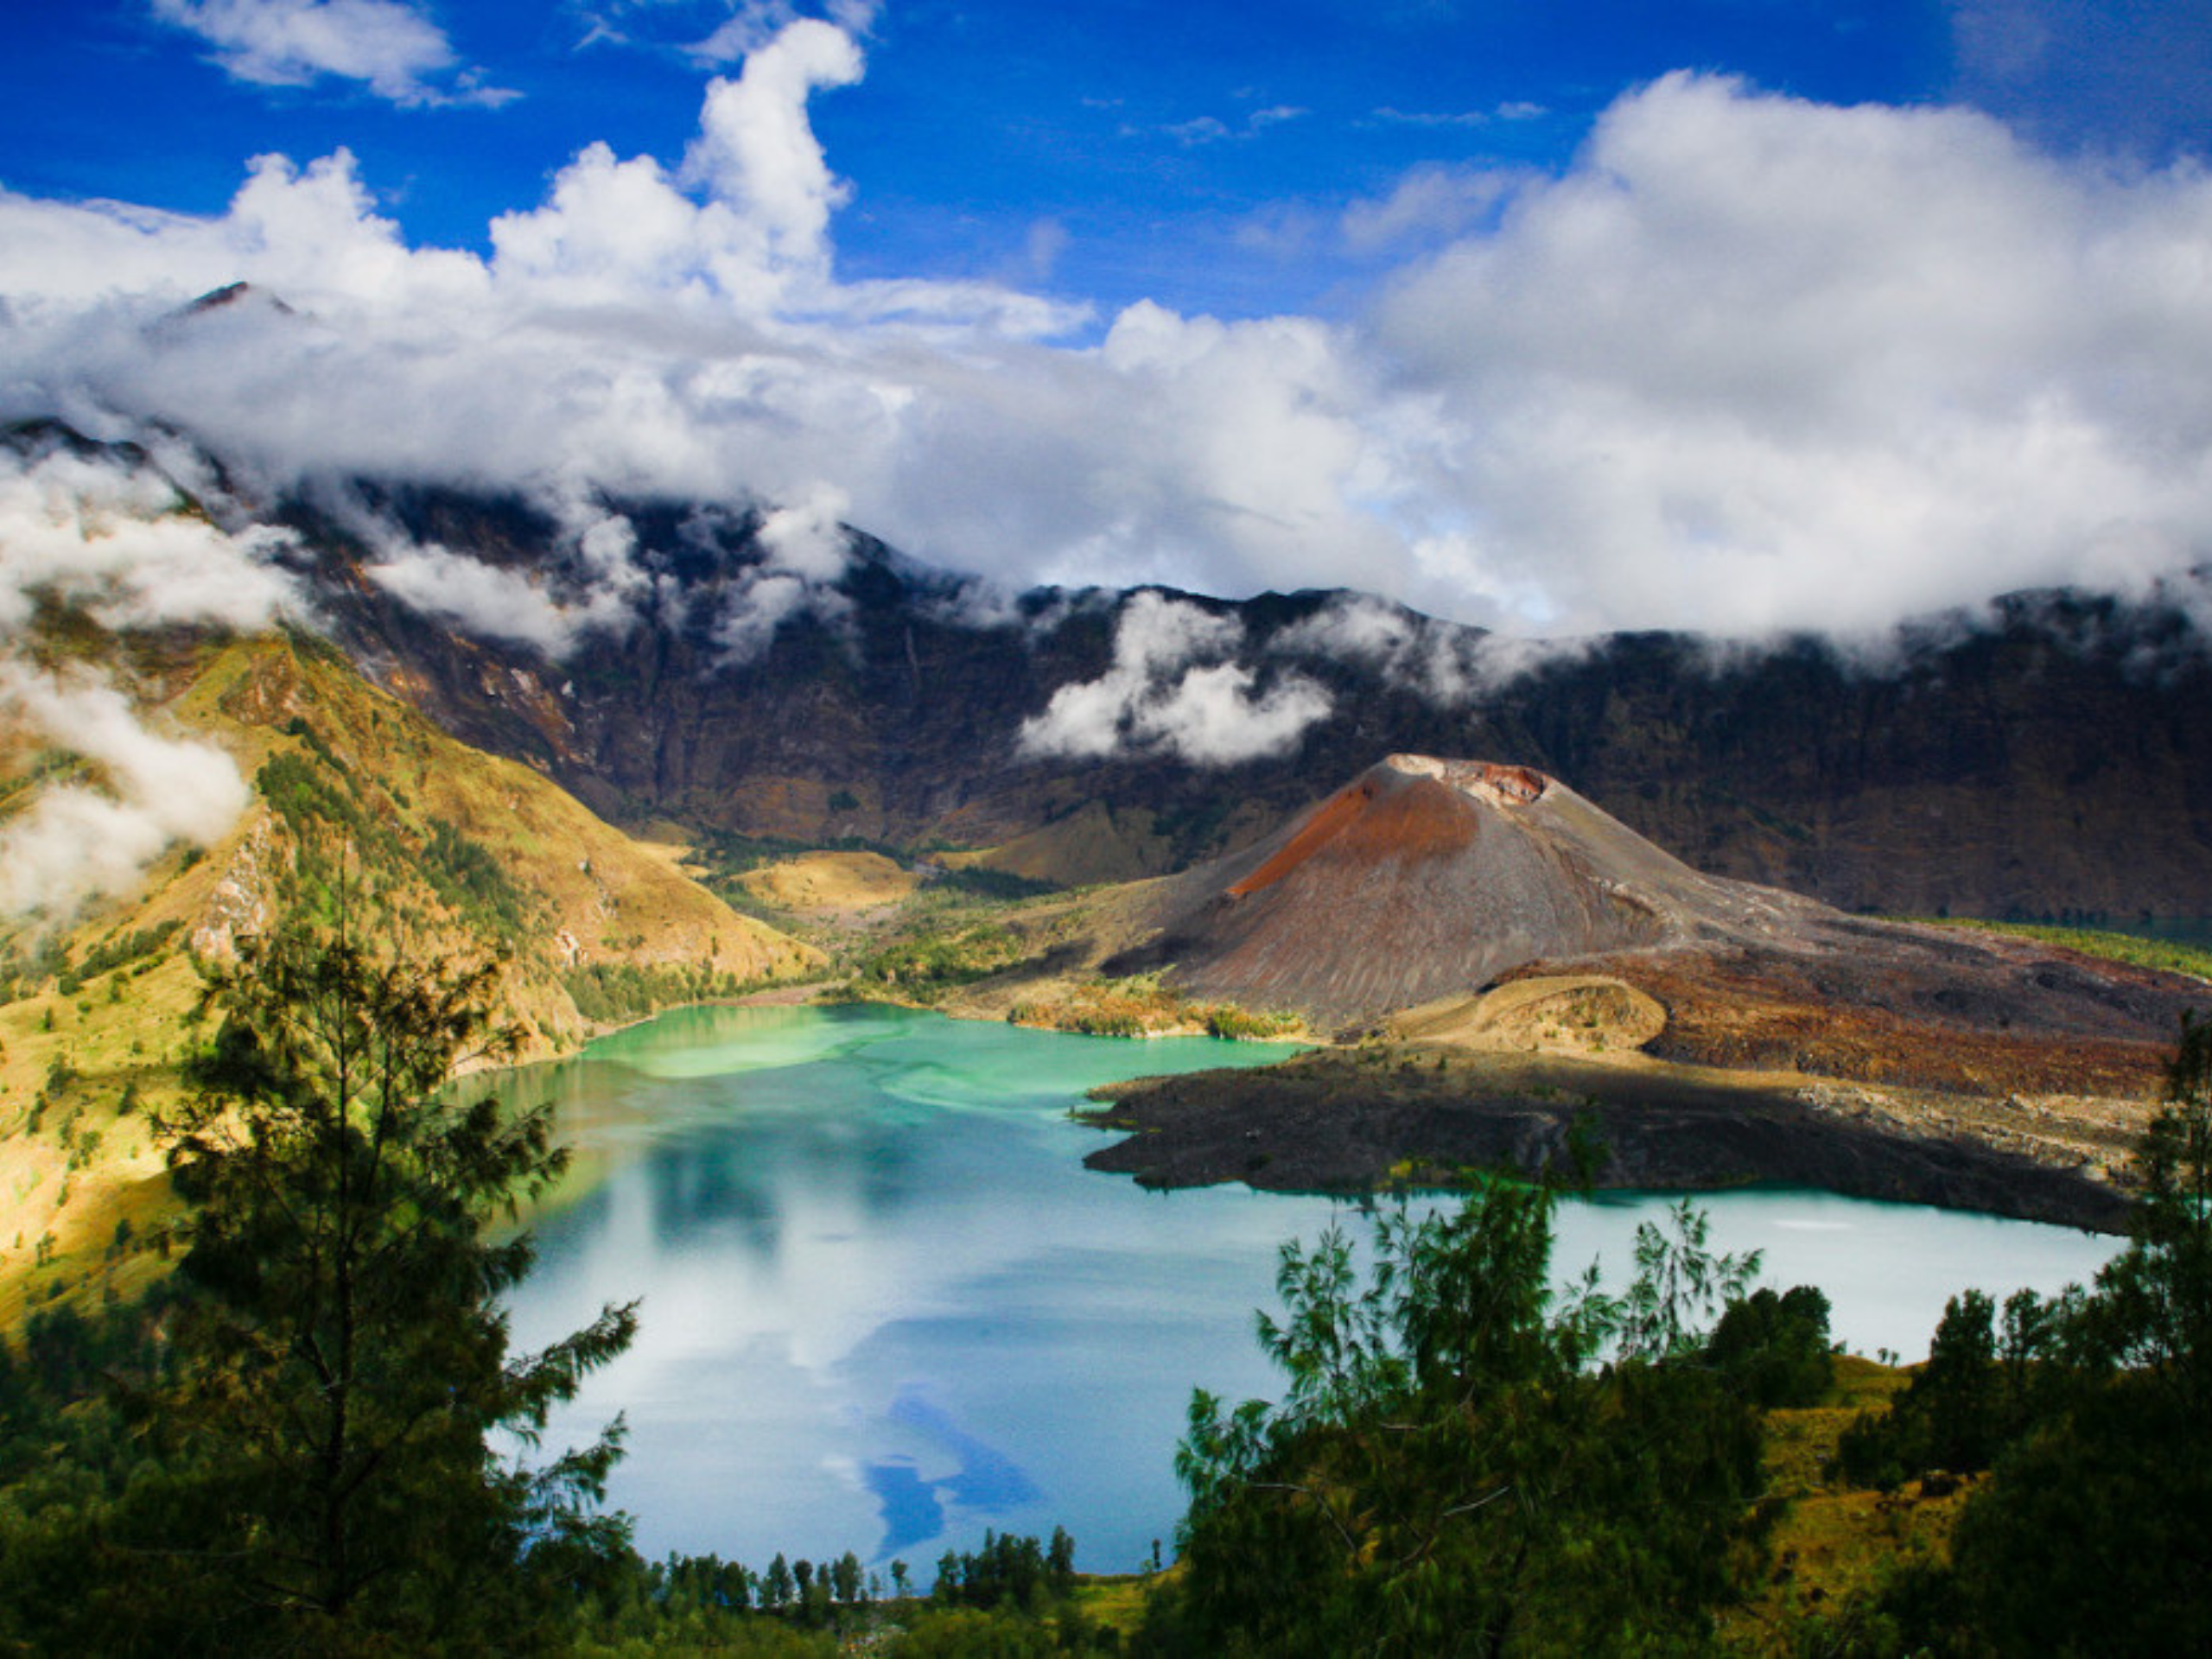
889	712
2058	758
2053	757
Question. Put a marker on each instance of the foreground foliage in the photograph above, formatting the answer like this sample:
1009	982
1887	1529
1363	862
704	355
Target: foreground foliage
305	1459
2092	1413
290	1446
1458	1466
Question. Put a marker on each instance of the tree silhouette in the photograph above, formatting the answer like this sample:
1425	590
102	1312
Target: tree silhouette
344	1369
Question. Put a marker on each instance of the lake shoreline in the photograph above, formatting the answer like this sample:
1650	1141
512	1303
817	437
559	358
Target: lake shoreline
1335	1120
1339	1122
946	1325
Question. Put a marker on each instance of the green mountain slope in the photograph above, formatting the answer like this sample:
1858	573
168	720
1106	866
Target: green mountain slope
356	800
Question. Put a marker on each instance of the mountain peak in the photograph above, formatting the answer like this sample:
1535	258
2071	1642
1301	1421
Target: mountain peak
1424	877
1488	780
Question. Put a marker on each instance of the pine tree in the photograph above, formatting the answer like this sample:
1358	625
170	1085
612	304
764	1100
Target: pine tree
1450	1470
343	1369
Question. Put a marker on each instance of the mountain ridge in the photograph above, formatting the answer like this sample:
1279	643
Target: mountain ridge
2050	759
2055	763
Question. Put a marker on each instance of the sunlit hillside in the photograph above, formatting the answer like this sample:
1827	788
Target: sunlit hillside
357	804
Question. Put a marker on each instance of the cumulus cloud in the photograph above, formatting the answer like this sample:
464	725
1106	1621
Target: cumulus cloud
756	150
78	840
616	231
394	49
1748	362
1754	362
753	25
1173	689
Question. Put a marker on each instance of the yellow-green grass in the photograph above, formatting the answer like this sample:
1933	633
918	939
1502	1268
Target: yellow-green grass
1830	1544
1117	1600
51	1191
1142	1007
2167	955
585	894
830	882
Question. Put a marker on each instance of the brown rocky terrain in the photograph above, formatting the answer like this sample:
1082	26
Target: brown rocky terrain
1356	1120
1423	878
1518	961
1917	1006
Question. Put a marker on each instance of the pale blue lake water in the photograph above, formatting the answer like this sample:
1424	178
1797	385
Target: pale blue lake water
885	1307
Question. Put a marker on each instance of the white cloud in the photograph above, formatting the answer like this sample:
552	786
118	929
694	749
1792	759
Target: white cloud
593	583
753	25
756	151
1749	362
1443	661
1212	130
616	231
1199	129
1758	362
309	232
486	600
119	543
1211	716
1430	201
394	49
1448	118
76	841
116	542
806	551
1171	690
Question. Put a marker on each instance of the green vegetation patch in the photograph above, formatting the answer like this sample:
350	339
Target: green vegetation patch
615	993
467	877
118	950
2164	955
1142	1007
22	970
923	969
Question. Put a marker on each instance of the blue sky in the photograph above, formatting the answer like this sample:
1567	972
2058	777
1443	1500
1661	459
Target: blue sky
1181	150
1735	314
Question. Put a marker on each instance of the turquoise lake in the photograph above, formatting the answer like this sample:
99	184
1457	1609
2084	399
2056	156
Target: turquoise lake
885	1307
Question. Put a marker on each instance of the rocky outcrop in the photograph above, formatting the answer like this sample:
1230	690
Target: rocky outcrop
1351	1123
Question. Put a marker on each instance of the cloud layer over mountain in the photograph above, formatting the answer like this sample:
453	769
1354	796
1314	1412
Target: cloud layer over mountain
1749	362
116	542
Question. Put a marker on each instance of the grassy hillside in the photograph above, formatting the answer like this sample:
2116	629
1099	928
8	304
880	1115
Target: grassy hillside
358	800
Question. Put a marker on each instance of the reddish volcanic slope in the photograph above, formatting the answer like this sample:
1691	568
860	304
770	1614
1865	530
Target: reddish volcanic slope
1425	878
